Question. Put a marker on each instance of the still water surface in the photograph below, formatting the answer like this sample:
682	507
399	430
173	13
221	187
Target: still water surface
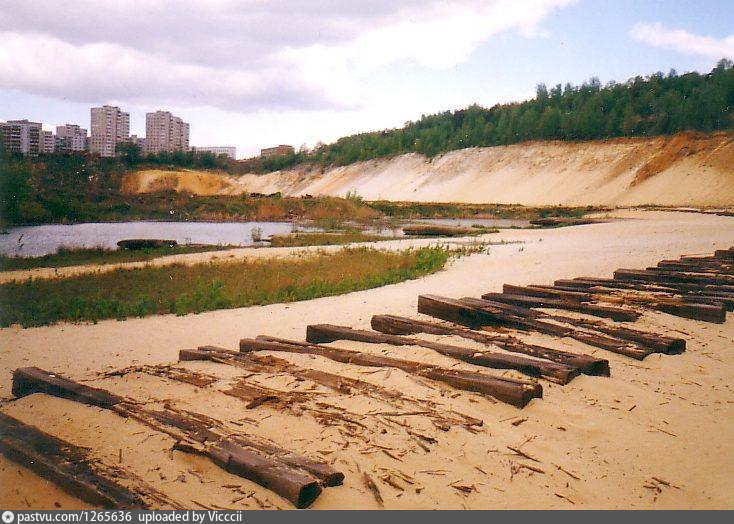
41	240
33	241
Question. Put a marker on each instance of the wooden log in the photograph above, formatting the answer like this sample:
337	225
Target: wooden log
615	313
547	292
474	313
608	343
31	380
587	364
66	465
431	230
656	342
454	311
514	392
559	373
692	293
630	283
672	276
145	243
272	467
724	254
668	265
705	310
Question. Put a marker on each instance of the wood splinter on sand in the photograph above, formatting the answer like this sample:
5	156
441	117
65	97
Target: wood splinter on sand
559	373
515	392
295	478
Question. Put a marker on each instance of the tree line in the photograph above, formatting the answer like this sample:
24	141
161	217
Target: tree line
655	105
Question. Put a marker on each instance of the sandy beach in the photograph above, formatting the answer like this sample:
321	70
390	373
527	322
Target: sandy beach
656	434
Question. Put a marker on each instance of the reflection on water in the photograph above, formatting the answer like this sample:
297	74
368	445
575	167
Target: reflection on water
42	240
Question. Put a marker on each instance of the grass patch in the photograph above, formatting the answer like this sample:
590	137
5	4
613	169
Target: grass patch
74	257
183	289
323	239
413	210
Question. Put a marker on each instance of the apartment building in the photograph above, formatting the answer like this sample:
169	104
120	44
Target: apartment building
109	127
230	151
21	136
165	132
71	138
277	151
48	142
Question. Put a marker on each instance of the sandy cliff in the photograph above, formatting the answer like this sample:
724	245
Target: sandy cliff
686	169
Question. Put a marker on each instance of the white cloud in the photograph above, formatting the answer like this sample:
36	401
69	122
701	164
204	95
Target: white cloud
241	56
680	40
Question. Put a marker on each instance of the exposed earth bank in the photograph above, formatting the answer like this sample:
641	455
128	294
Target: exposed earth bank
687	169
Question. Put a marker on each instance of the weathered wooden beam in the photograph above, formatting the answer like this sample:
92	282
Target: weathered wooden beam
546	292
587	364
559	373
725	254
653	341
271	467
474	313
672	276
687	293
515	392
68	466
36	380
615	313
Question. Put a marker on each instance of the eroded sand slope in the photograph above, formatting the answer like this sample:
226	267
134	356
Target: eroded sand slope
684	170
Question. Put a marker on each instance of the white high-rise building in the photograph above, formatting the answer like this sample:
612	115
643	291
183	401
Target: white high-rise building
109	127
230	151
71	138
165	132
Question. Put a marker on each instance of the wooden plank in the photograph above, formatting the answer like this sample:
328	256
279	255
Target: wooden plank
66	465
35	380
474	313
547	292
615	313
559	373
515	392
587	364
672	276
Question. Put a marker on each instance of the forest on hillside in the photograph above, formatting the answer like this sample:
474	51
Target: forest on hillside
655	105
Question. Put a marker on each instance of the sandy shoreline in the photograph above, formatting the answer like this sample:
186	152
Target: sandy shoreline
669	417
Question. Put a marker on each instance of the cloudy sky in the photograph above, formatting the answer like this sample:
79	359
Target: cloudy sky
254	73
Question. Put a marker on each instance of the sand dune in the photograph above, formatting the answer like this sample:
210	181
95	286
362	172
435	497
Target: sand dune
684	170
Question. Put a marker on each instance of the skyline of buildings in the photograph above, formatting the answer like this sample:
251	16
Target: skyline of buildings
110	127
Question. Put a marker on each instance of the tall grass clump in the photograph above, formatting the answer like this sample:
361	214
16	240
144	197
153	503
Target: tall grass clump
182	289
